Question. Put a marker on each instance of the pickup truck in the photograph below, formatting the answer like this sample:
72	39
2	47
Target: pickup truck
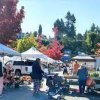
20	67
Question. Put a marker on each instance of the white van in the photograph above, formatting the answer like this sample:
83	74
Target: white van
20	67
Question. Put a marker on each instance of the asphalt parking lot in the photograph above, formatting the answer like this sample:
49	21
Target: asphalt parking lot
25	93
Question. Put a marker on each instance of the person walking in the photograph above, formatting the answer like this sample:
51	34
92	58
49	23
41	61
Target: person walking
75	67
65	71
82	77
36	75
1	79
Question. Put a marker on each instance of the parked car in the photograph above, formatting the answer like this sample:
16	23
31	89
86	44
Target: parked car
20	67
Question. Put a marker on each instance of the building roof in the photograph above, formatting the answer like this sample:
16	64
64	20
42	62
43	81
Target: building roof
83	56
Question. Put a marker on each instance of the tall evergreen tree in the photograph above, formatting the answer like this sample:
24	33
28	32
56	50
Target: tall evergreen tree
97	30
40	30
35	33
93	27
93	36
70	25
79	37
59	23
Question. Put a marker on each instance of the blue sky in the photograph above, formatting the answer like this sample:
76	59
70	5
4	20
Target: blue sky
45	12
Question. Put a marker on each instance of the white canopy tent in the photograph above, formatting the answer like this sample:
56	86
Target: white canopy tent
83	56
49	60
34	53
4	50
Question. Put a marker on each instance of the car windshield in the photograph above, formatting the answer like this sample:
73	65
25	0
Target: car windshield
22	63
25	63
28	63
19	63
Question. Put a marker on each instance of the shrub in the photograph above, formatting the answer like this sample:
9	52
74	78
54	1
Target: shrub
94	74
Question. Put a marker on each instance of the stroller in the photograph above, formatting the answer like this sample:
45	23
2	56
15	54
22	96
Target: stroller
57	87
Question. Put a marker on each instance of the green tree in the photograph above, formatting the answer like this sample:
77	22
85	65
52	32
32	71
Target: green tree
97	30
93	28
60	24
79	37
67	28
92	38
88	40
91	41
35	33
40	30
69	44
45	42
26	43
61	28
97	40
85	35
70	25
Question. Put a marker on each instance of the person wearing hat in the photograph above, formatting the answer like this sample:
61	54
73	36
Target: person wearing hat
1	79
82	77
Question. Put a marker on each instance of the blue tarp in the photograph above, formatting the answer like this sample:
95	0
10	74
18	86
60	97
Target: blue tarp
4	50
66	58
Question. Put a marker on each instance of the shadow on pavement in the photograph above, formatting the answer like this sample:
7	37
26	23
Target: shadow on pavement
86	96
23	93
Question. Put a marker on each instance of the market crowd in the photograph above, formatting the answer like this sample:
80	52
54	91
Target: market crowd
37	75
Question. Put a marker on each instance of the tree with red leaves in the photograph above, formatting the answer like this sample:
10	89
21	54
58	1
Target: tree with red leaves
55	50
43	49
39	41
10	20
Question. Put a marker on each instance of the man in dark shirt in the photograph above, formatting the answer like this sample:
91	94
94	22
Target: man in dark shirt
36	75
